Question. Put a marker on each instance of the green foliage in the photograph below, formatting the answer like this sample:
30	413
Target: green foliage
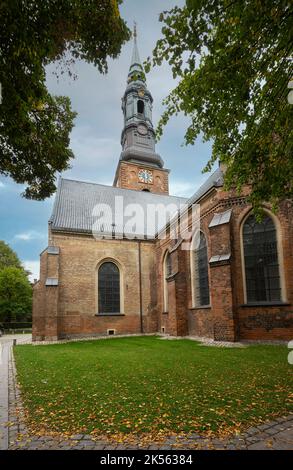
234	60
35	126
137	76
15	295
8	258
133	386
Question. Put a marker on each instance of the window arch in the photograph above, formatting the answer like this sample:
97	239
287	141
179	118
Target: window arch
109	288
140	107
200	271
168	265
261	261
167	271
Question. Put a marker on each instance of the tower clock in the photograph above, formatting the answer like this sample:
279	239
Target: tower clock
140	167
145	176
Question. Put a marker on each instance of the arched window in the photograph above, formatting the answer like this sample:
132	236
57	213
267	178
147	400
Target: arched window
109	288
199	271
261	260
140	107
167	271
168	265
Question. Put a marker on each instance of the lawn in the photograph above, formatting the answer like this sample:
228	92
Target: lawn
144	385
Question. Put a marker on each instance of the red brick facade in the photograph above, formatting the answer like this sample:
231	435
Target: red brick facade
227	318
127	178
69	309
66	297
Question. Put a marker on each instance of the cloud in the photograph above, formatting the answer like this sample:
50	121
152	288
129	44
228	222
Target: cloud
95	139
33	267
29	236
96	157
185	188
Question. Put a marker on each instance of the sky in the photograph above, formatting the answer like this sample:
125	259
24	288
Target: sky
95	139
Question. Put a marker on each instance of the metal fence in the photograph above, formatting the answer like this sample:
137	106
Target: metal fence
16	327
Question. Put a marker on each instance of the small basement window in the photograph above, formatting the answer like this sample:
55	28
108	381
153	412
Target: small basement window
111	332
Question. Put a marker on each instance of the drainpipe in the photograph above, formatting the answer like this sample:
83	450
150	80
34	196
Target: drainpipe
140	287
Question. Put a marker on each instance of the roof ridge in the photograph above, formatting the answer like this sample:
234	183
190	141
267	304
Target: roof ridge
56	200
121	189
194	197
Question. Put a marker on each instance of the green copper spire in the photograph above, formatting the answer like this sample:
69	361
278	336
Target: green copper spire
136	72
138	136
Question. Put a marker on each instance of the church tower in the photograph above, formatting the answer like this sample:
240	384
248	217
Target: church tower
139	167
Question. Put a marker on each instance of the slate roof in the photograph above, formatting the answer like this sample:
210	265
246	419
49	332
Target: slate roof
215	180
75	203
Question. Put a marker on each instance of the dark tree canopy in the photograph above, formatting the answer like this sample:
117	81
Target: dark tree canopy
234	61
35	126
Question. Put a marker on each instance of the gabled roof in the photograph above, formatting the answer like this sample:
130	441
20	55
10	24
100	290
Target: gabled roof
215	180
78	205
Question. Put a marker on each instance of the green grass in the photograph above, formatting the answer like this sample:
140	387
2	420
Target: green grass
147	385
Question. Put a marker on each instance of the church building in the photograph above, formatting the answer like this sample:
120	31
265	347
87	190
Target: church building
106	272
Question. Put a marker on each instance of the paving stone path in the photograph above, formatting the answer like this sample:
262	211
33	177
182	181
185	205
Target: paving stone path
4	354
276	435
5	347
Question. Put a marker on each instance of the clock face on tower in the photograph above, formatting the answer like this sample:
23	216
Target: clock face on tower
142	129
145	176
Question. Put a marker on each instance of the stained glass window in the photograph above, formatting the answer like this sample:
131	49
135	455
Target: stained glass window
167	272
200	271
109	288
168	265
261	260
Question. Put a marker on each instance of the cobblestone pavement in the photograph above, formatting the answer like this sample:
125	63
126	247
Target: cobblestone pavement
27	339
277	435
4	353
5	345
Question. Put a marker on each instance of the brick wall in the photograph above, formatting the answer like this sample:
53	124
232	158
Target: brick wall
265	322
227	318
71	308
128	178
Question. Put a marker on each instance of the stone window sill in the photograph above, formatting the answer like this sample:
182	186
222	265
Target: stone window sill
202	307
265	304
110	315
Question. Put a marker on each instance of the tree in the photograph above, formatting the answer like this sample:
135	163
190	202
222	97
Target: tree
233	60
15	295
35	126
8	257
